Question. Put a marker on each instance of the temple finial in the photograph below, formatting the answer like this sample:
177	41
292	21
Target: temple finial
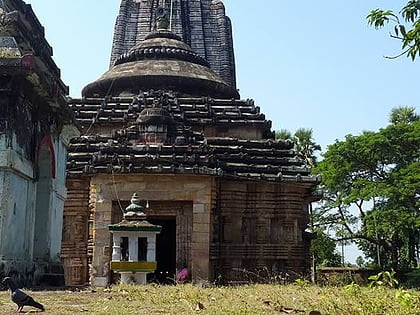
162	19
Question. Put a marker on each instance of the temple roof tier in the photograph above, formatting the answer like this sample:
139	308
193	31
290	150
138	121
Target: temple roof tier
266	161
162	60
203	139
192	110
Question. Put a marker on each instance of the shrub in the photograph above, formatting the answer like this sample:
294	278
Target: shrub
384	278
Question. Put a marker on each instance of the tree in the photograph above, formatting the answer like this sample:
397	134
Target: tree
304	143
404	114
372	190
306	146
406	26
283	134
323	249
360	262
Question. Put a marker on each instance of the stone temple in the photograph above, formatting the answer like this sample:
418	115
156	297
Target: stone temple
167	123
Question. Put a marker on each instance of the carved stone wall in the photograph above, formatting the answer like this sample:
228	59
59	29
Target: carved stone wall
74	250
227	230
259	231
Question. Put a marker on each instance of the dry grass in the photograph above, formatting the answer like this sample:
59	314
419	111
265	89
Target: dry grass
249	299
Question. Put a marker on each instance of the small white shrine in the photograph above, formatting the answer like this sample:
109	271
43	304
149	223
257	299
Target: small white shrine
134	245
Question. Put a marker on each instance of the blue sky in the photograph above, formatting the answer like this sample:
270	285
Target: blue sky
312	64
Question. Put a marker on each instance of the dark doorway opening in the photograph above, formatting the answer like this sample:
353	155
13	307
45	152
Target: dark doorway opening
165	251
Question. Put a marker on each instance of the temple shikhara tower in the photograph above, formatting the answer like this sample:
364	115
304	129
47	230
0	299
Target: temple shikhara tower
201	24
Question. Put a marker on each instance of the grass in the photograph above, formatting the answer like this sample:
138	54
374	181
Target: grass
249	299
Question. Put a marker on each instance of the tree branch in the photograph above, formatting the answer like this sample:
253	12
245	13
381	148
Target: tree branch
360	207
386	244
344	221
399	55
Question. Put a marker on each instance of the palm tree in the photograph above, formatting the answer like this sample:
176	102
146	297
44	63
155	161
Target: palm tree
304	143
403	114
283	134
306	146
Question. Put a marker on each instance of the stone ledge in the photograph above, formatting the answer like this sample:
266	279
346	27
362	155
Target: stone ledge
133	266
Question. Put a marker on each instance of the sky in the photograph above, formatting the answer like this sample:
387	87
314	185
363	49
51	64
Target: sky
310	64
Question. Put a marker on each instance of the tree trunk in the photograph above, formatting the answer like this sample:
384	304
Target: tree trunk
394	257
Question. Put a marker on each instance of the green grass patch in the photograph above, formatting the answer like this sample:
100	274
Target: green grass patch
247	299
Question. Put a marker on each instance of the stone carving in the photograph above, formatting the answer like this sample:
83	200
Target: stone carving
162	19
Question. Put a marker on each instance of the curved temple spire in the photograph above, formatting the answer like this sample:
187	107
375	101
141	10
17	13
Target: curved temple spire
202	24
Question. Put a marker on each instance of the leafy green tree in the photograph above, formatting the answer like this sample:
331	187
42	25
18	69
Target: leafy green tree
406	26
360	262
372	191
323	247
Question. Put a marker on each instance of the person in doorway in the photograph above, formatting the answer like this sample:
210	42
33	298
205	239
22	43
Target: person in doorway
183	275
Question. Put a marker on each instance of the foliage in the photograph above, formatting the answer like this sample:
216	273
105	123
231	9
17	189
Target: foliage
283	134
412	279
360	262
302	282
405	298
241	300
384	278
406	26
403	115
372	190
304	143
353	289
324	249
339	279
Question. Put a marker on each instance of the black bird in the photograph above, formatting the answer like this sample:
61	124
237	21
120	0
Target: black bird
20	297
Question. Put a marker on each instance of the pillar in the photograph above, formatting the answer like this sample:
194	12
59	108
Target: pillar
151	248
133	248
116	249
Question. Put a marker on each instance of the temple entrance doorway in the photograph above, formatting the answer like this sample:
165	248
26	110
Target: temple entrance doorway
165	250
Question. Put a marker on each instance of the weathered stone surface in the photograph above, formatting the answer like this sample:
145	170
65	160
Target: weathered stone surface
33	113
249	197
185	223
202	24
161	61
